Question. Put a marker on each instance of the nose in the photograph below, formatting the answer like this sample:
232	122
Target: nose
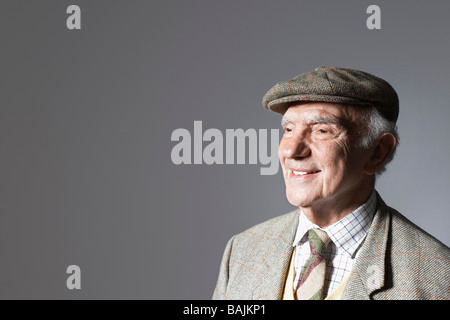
295	147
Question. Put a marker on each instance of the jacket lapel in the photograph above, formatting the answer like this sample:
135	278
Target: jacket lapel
368	274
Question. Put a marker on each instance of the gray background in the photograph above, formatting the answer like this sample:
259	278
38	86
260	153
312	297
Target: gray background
86	118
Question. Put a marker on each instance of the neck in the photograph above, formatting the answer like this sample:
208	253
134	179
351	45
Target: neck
329	211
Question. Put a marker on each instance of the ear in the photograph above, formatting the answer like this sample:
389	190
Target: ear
382	149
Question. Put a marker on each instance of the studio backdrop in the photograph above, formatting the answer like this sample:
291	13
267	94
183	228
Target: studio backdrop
123	172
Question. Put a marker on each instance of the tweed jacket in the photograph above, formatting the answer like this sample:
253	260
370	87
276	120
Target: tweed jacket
397	260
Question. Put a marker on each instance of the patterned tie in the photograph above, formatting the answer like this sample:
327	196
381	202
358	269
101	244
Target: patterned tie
312	278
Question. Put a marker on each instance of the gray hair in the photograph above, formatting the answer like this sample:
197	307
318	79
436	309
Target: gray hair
374	126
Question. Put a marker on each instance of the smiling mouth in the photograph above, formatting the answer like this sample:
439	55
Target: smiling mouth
304	173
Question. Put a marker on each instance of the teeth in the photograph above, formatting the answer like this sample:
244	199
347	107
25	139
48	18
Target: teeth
302	173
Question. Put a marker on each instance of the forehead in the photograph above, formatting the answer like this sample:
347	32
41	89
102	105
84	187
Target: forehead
325	112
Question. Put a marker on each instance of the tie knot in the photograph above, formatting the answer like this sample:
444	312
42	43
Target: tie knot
318	241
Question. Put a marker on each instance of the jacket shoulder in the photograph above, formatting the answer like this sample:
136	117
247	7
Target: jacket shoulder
408	236
420	263
271	228
254	262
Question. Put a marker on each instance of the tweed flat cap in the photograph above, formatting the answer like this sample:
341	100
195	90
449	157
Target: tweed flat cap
338	85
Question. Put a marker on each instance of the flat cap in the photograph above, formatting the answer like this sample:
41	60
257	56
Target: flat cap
338	85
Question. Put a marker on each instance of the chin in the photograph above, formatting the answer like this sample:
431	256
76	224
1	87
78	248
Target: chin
298	200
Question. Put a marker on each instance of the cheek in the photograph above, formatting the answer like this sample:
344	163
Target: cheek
281	156
344	168
333	156
334	160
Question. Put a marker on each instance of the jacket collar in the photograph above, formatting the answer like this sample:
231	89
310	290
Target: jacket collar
369	271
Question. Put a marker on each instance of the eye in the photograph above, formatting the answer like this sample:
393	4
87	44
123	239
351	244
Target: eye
324	130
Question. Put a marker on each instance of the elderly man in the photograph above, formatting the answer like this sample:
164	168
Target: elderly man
343	242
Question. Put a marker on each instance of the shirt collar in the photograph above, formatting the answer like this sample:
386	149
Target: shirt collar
348	233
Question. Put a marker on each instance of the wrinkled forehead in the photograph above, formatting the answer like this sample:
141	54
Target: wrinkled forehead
339	114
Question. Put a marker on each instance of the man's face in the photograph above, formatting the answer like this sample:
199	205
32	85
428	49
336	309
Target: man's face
319	154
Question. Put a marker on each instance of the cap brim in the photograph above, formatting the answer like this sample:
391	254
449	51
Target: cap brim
280	105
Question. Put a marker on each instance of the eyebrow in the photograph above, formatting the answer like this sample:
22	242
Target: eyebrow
315	120
324	119
284	121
